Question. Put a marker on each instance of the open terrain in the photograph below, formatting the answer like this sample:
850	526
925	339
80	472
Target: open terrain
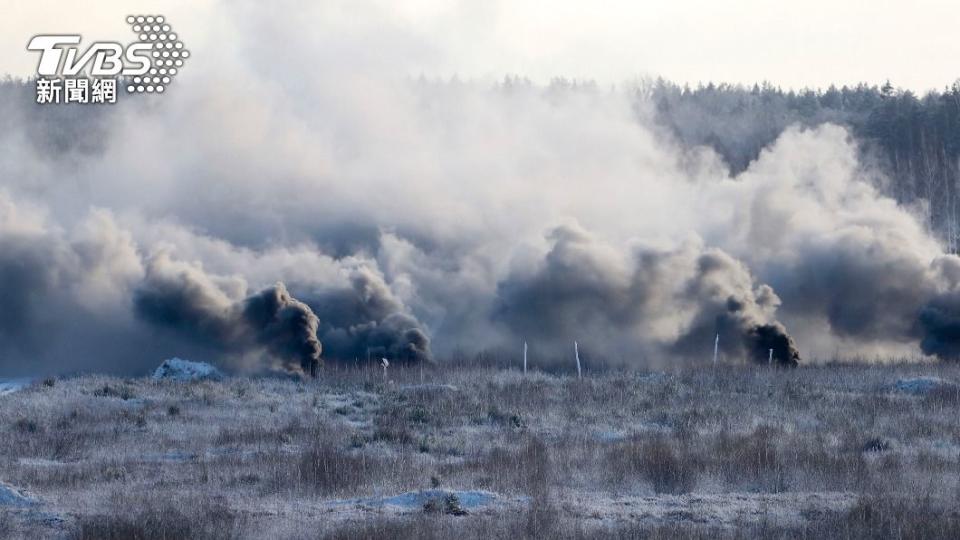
728	452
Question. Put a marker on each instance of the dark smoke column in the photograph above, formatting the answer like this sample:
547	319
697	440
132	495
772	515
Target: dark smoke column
286	326
766	337
183	299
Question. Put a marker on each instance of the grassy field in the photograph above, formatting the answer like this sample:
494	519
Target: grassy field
731	452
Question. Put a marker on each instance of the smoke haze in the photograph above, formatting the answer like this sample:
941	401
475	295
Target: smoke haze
259	213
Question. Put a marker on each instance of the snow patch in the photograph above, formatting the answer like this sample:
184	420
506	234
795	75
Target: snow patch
923	385
175	456
177	369
609	436
427	388
415	500
729	510
40	462
9	386
11	496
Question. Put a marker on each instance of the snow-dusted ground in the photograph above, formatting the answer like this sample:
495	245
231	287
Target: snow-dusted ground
178	369
923	385
414	501
598	508
721	509
9	386
13	497
281	458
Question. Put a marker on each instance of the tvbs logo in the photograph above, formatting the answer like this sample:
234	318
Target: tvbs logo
147	65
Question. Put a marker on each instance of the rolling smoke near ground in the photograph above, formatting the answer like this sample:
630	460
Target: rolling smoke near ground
409	218
679	298
182	298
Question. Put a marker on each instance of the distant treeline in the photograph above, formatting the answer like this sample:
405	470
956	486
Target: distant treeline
914	139
54	129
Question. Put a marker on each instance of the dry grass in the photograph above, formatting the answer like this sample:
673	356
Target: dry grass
828	451
139	518
656	460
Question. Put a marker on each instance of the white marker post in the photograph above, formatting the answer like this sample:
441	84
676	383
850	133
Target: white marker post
524	357
385	363
576	354
770	360
716	348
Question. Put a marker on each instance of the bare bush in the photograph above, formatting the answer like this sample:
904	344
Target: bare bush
326	469
656	461
527	469
161	520
752	459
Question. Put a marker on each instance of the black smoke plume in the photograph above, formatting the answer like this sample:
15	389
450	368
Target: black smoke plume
772	339
366	321
285	326
940	322
203	309
675	300
730	305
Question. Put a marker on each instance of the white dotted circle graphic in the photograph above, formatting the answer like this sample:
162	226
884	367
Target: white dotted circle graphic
165	49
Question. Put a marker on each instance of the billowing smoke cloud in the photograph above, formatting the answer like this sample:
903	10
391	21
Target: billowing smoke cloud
731	306
411	218
285	325
62	292
939	320
642	303
367	322
214	313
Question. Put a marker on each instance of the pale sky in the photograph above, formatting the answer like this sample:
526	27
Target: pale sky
792	44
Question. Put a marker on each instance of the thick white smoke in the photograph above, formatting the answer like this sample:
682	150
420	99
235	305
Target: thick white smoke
416	216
